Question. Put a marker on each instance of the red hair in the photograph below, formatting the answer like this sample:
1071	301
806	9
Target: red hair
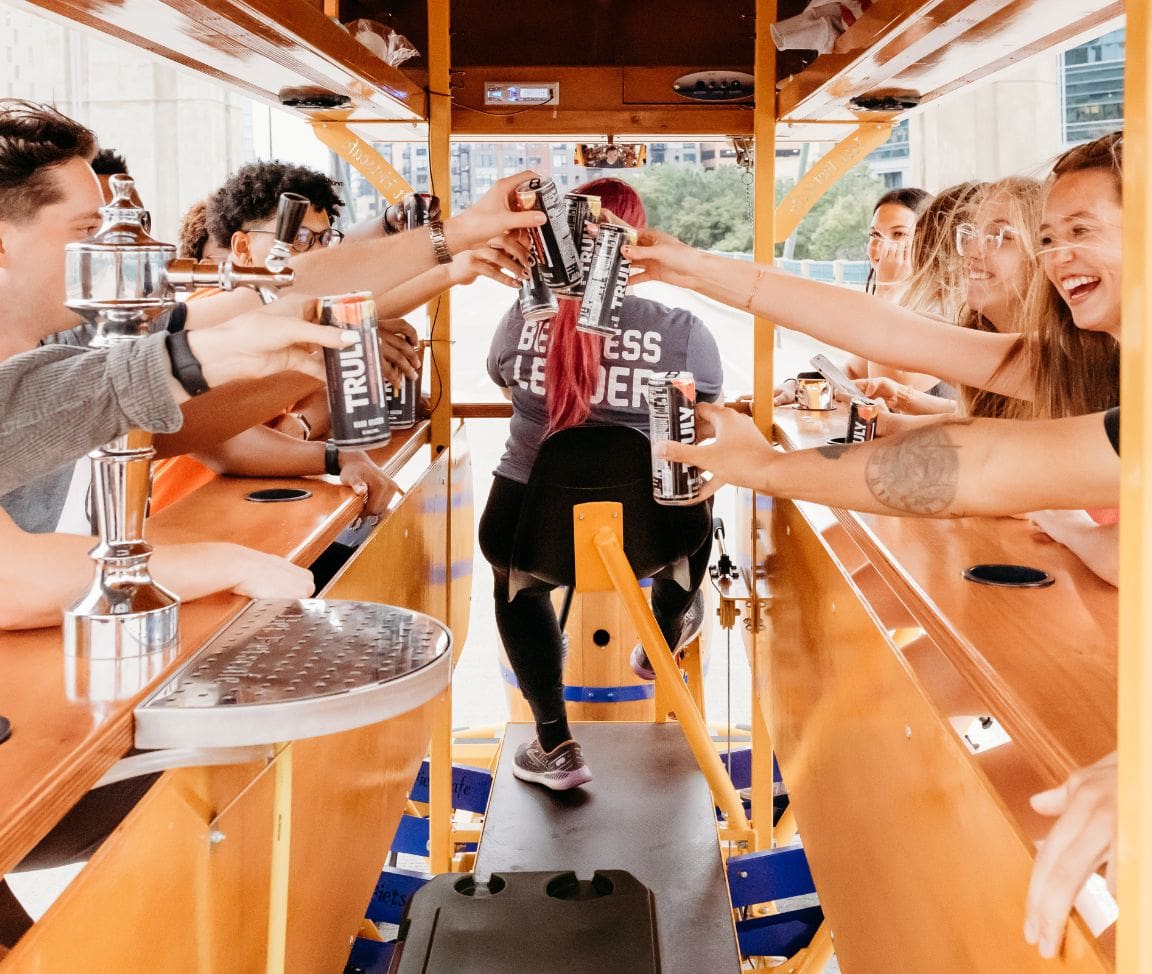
572	369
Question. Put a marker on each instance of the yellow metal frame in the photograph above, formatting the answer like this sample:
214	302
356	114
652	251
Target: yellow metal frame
1134	946
601	565
831	168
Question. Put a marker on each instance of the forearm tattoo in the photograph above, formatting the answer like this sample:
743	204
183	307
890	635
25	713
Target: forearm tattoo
917	474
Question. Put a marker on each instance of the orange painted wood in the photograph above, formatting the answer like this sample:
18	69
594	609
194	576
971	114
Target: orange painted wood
920	860
1000	639
254	46
161	896
62	742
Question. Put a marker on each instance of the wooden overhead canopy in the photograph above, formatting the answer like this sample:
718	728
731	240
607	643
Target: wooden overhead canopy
257	47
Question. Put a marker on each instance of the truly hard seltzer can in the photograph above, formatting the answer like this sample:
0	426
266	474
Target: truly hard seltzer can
582	209
552	241
537	299
862	415
402	403
356	396
607	278
672	416
412	210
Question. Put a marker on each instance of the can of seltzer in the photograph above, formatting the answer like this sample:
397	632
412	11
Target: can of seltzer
537	299
356	397
672	416
412	210
552	241
582	209
402	404
607	278
862	415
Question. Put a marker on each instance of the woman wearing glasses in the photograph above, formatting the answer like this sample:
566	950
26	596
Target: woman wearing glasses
1064	360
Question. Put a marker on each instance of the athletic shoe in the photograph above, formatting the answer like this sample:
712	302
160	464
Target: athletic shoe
559	769
690	625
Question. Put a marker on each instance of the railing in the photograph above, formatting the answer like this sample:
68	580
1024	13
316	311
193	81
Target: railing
851	273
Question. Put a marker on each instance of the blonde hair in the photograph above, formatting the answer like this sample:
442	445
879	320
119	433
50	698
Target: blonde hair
937	270
1073	371
1025	200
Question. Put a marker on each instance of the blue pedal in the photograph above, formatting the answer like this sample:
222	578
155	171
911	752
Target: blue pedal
780	935
369	957
393	889
775	874
470	787
411	836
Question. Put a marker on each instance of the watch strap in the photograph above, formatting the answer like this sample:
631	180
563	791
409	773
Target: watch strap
439	243
331	459
185	365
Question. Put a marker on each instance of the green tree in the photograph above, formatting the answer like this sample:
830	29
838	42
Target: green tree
710	209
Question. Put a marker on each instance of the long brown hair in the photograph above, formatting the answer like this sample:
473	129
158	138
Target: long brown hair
1073	371
937	271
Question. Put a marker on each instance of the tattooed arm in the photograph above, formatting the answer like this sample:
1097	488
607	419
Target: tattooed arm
967	467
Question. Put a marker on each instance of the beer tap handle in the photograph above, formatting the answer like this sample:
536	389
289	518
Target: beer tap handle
185	274
290	213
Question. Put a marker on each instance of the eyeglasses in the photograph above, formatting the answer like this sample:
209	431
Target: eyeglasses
969	238
307	239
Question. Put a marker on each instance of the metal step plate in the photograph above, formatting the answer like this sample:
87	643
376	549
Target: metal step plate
285	670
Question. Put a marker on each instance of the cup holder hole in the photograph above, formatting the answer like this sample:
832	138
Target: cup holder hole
568	887
1009	576
467	886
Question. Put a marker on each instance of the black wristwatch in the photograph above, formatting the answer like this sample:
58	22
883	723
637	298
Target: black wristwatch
332	459
185	365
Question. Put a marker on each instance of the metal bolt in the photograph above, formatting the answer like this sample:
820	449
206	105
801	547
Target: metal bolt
908	730
216	836
743	874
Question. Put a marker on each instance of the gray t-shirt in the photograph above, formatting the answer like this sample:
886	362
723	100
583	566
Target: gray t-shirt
653	338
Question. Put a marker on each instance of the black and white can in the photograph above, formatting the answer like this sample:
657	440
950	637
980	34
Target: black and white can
412	210
862	415
582	210
537	299
357	399
607	279
552	241
402	404
672	416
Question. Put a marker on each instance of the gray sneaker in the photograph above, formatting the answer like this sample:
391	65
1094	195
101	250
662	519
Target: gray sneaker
558	769
690	625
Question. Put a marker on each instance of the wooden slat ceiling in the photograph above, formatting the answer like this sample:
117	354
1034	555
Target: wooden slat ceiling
615	60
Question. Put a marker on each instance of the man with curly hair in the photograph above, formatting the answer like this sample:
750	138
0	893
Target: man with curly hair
242	213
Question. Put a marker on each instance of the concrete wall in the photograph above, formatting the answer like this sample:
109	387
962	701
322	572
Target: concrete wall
180	134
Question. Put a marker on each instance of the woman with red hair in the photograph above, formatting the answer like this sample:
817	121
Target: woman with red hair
558	377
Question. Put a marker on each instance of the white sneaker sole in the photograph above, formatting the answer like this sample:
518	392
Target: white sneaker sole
554	780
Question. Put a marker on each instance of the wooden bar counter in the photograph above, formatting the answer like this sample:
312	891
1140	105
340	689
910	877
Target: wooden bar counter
348	786
878	647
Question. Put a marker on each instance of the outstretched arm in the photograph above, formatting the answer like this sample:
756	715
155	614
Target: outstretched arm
386	262
859	323
955	469
42	574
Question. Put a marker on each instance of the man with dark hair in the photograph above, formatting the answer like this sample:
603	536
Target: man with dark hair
242	212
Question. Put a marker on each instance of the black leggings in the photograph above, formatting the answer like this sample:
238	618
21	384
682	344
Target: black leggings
528	625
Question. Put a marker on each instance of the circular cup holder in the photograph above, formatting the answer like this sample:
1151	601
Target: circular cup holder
1009	576
467	886
568	887
276	495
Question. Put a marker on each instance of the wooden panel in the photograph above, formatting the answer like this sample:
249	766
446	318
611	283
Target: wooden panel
935	47
254	46
919	863
999	639
63	740
160	895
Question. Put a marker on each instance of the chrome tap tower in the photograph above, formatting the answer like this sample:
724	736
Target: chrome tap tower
121	280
